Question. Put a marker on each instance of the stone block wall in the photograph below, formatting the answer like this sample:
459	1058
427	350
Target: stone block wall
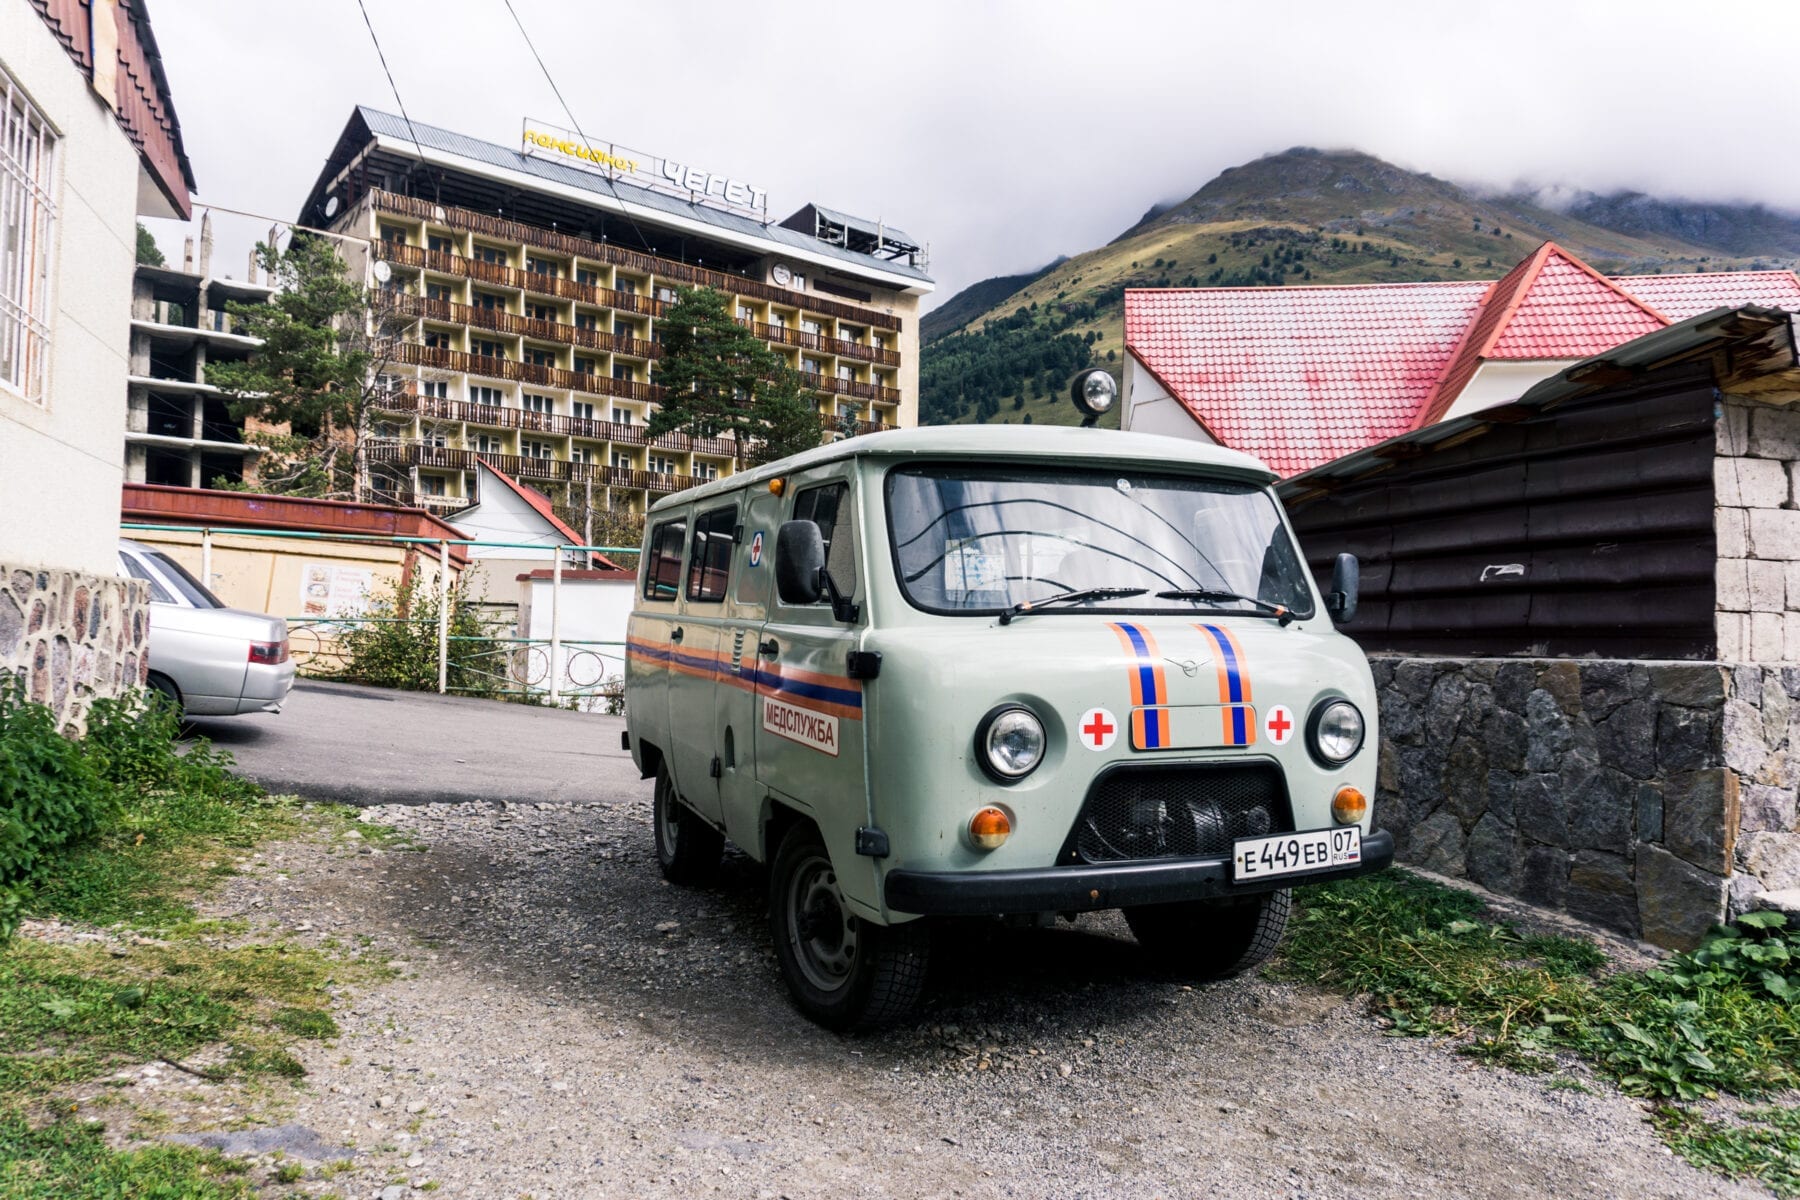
1756	492
1651	797
72	637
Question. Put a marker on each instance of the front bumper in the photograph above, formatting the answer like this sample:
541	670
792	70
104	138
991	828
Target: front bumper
1082	889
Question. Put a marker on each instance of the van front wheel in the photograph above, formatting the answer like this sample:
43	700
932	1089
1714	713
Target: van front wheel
1212	939
844	972
687	848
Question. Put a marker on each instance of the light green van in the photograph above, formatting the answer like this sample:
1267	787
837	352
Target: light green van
1001	671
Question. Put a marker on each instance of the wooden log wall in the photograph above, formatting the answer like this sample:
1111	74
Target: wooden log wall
1586	529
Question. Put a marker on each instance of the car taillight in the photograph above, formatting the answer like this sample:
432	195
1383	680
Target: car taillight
270	653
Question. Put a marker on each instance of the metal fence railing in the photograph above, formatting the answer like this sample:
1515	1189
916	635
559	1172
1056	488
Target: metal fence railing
471	651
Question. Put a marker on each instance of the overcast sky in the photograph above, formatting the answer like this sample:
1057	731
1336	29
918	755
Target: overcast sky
1004	134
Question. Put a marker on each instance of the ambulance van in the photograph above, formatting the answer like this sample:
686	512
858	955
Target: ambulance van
1008	671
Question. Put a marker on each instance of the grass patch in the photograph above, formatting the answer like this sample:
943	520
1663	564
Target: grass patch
1719	1021
165	851
1762	1144
70	1160
168	825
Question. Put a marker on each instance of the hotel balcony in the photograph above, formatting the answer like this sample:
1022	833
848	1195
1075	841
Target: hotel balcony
787	336
443	359
649	264
555	470
432	408
500	321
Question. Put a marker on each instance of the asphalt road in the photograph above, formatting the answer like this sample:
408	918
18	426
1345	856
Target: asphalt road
359	745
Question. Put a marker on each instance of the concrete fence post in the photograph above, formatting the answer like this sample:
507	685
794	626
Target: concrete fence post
206	576
443	617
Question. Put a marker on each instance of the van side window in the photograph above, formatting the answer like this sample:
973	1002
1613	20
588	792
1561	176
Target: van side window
709	562
662	573
825	506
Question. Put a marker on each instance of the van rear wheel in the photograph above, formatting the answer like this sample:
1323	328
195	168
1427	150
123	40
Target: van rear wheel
1212	939
687	849
844	972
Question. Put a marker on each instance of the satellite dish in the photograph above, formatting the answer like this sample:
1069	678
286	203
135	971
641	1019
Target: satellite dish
383	272
332	204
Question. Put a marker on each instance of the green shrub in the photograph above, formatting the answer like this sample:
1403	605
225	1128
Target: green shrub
57	793
50	795
396	644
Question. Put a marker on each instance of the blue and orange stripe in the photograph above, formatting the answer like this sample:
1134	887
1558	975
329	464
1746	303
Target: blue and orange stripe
833	695
1149	689
1238	729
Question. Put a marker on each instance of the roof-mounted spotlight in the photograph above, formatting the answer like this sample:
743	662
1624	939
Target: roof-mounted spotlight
1093	392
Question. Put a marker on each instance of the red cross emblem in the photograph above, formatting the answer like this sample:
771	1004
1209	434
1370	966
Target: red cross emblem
1280	724
1098	729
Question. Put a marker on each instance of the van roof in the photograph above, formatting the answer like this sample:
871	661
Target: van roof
990	442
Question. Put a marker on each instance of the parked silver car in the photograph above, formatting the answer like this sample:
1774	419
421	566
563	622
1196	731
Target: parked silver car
212	661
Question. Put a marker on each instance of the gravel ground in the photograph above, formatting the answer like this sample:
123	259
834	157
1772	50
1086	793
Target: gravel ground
567	1025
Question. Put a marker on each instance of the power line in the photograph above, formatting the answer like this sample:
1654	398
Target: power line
392	86
570	113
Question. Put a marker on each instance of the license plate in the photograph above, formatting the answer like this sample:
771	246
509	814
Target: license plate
1295	853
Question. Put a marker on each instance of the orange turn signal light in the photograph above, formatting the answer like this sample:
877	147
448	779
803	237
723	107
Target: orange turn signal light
777	486
1349	806
990	828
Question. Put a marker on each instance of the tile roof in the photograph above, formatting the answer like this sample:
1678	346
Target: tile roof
1679	297
1299	376
1552	305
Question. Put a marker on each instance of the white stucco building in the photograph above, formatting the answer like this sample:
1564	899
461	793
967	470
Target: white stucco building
88	143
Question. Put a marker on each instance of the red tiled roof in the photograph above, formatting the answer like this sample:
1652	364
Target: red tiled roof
1552	305
1299	376
540	504
1679	297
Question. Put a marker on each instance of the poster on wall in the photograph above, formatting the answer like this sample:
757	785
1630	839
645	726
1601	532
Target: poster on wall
328	590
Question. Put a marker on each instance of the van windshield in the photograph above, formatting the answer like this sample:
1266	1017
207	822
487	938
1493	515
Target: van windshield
981	539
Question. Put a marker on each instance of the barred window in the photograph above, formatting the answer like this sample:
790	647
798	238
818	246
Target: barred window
27	212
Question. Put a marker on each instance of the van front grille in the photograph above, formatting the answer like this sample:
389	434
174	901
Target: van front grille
1185	811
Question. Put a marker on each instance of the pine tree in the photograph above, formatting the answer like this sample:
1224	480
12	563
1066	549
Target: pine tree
718	378
325	343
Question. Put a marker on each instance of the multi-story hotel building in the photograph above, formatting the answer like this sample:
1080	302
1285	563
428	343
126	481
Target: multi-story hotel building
530	282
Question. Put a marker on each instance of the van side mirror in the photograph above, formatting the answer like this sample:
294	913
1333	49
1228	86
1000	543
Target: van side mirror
799	562
1346	580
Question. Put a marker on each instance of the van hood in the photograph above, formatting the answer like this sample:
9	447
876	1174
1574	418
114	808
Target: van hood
1144	690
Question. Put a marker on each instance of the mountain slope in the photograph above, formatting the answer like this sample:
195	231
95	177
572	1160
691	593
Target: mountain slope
976	299
1310	217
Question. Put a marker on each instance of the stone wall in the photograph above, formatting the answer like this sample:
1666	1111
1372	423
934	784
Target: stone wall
1653	798
1756	492
73	637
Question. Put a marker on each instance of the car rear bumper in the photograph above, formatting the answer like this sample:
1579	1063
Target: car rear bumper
1084	888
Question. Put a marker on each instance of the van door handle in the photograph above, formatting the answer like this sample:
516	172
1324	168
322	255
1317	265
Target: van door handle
675	634
768	649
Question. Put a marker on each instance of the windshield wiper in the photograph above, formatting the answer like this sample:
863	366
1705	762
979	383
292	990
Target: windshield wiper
1075	597
1280	612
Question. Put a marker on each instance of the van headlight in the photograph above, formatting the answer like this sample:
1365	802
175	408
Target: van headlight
1334	732
1009	743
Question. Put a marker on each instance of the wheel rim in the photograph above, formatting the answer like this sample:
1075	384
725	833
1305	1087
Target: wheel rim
668	822
821	930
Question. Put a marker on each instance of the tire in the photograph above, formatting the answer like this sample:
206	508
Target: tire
161	685
687	848
843	972
1212	939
